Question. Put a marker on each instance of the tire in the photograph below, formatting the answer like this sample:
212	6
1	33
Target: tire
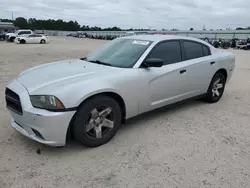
22	41
216	88
42	41
12	39
90	120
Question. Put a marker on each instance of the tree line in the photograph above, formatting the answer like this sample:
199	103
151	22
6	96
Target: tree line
242	28
50	24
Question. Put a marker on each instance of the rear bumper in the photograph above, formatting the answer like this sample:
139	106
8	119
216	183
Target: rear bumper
43	126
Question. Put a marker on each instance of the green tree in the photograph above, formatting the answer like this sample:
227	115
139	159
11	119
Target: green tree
21	23
50	24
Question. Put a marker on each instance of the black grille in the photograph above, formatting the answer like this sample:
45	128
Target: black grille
13	101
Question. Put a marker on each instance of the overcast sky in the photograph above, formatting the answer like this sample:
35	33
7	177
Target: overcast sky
169	14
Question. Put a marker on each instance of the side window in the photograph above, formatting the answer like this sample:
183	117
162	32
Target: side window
192	50
24	32
206	50
27	32
169	52
21	33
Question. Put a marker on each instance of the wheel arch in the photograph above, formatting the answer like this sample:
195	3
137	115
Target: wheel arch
222	71
110	94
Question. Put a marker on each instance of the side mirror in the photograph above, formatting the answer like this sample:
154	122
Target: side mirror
152	62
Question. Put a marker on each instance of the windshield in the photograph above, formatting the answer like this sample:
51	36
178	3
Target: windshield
120	52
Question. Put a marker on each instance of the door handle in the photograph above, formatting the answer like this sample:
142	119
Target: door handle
182	71
211	63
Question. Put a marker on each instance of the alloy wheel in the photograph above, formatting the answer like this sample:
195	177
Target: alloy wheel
217	88
100	122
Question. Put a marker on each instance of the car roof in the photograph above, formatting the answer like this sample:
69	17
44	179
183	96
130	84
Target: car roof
158	38
24	30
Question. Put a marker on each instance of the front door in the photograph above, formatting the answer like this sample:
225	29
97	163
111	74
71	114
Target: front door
166	84
30	39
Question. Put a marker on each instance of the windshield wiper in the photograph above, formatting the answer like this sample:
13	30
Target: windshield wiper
95	61
99	62
83	58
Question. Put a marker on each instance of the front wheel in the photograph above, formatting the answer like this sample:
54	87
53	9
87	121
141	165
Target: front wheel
97	121
42	41
12	39
22	42
216	88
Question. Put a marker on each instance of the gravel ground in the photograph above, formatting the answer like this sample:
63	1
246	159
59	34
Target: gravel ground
193	144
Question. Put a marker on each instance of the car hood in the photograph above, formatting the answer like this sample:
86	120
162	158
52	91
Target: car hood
46	74
8	34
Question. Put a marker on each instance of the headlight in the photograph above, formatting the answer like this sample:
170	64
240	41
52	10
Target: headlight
47	102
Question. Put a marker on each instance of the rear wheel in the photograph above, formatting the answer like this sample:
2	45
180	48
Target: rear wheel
97	121
42	41
216	88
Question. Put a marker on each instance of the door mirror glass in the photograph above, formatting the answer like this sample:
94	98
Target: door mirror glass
152	62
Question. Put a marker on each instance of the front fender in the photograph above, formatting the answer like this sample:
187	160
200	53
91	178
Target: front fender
87	90
96	92
74	91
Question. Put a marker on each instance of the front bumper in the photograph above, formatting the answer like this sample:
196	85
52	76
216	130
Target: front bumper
43	126
17	40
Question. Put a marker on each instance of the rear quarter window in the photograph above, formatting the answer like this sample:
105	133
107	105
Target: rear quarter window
206	50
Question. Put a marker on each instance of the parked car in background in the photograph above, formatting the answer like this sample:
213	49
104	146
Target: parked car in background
2	36
88	98
70	34
32	39
12	36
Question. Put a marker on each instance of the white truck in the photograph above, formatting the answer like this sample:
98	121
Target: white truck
12	36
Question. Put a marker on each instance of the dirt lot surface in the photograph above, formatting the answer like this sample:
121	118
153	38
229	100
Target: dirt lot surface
193	144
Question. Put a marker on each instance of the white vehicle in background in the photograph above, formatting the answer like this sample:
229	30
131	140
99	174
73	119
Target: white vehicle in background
32	39
12	36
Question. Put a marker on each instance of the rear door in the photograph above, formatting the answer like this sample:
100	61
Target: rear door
199	65
37	38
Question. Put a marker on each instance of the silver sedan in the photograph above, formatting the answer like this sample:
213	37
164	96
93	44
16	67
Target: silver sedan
89	98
